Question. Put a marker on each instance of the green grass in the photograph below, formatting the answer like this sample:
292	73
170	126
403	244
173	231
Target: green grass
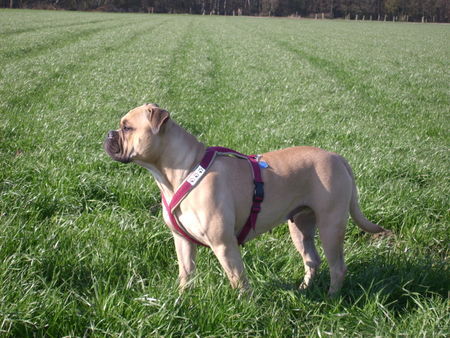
83	248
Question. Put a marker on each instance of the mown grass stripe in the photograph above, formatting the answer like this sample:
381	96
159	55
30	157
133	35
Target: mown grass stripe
16	32
59	41
177	62
68	69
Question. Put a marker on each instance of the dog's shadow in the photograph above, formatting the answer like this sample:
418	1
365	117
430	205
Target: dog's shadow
393	278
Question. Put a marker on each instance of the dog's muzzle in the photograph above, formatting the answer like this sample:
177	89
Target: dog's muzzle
113	147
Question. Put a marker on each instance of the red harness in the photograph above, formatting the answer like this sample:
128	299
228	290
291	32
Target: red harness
193	178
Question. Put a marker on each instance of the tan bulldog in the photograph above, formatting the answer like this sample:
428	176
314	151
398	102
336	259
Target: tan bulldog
307	186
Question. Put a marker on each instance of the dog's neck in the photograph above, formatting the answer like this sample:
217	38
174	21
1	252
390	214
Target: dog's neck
179	153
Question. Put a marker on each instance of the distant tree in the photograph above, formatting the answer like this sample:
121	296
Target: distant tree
438	10
391	6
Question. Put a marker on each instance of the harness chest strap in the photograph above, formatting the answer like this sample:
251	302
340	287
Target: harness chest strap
194	178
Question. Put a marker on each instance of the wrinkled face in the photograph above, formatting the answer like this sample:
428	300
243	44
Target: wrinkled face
137	137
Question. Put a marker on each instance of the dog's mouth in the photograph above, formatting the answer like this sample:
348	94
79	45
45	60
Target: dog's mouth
113	148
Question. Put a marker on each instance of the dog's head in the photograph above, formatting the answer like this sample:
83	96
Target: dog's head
138	135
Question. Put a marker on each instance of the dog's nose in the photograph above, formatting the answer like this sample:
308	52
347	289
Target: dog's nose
111	134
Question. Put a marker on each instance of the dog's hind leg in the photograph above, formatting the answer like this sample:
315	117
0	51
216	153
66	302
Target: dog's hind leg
332	230
302	230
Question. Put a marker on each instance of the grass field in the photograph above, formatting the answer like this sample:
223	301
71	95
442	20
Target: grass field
83	248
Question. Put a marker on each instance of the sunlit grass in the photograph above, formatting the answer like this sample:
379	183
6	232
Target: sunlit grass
83	248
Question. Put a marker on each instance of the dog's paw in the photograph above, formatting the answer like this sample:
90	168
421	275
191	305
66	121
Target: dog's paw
383	234
304	286
245	292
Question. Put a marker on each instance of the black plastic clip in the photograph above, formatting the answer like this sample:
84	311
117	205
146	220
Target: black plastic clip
258	194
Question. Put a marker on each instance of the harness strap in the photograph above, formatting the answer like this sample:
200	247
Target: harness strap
194	178
258	197
176	224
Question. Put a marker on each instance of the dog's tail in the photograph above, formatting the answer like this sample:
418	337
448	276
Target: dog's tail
355	210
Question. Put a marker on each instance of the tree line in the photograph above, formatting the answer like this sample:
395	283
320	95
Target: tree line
400	10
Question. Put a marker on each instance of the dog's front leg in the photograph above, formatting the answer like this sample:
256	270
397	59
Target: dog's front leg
186	252
230	259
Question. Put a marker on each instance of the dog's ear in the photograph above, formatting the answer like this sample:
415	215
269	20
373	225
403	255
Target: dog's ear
156	116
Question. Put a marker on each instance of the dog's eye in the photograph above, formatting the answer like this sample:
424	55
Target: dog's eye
126	128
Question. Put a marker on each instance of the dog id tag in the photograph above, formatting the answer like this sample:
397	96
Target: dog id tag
263	164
